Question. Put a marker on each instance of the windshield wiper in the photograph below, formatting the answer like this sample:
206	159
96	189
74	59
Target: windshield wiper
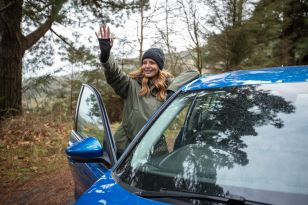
227	199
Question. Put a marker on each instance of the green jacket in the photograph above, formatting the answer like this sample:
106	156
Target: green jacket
137	109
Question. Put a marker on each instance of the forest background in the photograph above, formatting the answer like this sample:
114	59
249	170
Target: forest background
48	49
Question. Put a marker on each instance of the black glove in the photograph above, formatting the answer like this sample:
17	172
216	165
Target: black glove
105	46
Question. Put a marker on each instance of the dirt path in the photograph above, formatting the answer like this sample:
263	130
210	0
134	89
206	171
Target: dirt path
53	189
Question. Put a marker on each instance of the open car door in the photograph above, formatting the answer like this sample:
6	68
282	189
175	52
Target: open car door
91	150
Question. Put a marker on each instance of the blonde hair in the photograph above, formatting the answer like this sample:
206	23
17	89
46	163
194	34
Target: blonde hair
160	83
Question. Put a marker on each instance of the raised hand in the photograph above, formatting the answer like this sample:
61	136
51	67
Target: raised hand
104	33
105	42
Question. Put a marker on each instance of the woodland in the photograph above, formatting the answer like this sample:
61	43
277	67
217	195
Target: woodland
48	49
215	36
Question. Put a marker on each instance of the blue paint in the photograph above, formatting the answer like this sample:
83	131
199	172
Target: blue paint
87	148
250	77
107	191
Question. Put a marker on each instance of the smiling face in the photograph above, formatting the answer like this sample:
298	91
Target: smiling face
149	68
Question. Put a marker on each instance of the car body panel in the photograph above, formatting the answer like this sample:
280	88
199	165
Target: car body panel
107	191
84	174
251	77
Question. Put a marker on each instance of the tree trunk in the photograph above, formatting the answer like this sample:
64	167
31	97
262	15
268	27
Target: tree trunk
11	54
12	48
170	55
141	29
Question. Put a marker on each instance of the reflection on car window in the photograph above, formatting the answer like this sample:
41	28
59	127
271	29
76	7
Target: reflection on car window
233	140
175	129
89	119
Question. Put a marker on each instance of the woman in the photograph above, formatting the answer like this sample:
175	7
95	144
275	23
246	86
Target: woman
143	90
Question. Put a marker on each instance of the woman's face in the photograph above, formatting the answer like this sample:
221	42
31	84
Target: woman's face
149	68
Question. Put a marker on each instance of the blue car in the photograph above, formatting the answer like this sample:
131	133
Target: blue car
234	138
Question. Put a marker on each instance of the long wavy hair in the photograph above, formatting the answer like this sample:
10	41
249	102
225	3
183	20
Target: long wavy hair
160	83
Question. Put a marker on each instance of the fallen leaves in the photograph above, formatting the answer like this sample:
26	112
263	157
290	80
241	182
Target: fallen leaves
32	144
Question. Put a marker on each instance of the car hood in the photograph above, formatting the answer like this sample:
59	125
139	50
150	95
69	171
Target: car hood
107	191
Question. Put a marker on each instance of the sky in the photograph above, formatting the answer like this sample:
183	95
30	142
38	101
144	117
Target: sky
179	38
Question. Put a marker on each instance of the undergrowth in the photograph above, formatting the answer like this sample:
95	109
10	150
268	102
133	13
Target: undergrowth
31	145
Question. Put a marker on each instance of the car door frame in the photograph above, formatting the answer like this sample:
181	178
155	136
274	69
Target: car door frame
92	171
111	147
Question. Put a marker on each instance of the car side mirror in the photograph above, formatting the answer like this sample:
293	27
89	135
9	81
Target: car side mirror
87	150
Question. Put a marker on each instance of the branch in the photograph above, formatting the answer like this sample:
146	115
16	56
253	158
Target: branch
61	37
64	40
36	35
217	14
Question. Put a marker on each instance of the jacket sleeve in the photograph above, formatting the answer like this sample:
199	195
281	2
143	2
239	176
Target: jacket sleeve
116	78
182	79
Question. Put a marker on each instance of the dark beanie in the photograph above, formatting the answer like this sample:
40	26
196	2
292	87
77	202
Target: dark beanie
155	54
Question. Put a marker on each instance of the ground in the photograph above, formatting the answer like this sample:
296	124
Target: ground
33	164
55	188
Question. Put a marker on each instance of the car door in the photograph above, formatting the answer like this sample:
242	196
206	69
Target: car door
91	120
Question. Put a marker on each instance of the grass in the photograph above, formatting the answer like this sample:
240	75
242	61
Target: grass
31	145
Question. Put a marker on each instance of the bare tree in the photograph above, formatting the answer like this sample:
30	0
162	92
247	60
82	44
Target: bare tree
140	36
167	32
195	22
148	17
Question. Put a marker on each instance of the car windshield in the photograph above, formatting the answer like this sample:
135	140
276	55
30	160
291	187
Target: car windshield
249	141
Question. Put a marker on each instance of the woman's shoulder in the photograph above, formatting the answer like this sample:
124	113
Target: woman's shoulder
169	80
183	78
168	76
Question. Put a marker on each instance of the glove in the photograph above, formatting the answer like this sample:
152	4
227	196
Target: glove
105	47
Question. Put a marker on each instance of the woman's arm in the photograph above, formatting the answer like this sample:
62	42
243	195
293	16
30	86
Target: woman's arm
182	79
116	78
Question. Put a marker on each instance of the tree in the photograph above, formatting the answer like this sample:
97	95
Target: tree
167	34
231	44
231	47
14	42
13	45
291	16
195	27
140	39
145	20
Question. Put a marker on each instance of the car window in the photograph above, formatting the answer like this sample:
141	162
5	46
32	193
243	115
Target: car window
247	140
89	116
175	129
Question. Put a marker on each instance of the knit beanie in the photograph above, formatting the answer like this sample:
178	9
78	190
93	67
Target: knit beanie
155	54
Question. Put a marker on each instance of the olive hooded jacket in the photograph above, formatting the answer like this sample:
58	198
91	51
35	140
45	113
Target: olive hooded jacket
137	109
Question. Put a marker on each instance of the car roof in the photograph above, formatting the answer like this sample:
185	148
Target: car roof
250	77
